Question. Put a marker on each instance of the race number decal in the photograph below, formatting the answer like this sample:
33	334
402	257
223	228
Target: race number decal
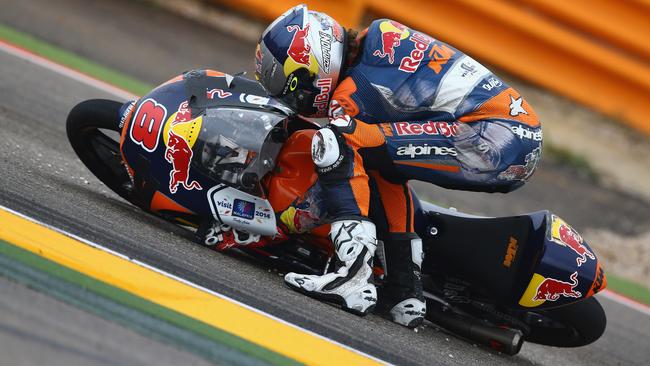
147	124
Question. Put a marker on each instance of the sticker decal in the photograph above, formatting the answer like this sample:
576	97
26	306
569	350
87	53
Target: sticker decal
522	172
565	235
299	49
551	289
147	122
392	34
411	62
219	93
126	114
516	107
182	132
243	209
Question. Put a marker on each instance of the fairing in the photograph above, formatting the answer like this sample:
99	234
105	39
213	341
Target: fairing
567	271
166	131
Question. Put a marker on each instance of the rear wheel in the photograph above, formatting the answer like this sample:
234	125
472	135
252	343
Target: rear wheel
573	325
86	126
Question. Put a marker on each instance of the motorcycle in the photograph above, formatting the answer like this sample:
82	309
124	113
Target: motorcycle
208	146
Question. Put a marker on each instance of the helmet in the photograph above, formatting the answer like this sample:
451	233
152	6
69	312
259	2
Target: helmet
299	59
201	142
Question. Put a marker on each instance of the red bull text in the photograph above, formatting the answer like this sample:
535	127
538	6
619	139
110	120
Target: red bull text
411	62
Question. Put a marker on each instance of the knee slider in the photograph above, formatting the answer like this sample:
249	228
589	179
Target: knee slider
325	149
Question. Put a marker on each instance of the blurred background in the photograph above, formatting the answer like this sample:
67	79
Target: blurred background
584	66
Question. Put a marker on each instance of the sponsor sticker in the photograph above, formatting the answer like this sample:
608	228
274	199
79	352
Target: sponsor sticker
522	172
511	252
243	209
491	83
427	128
516	106
179	140
127	112
413	151
551	289
527	133
321	100
392	34
412	61
326	47
299	49
253	99
219	93
565	235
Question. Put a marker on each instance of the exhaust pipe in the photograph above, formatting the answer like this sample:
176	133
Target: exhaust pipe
505	340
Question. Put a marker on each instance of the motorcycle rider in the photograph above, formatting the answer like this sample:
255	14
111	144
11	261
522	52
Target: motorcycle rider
403	105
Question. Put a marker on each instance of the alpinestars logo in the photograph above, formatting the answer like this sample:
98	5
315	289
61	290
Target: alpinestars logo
416	150
516	107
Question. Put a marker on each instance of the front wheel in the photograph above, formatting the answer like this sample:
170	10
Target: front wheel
86	126
573	325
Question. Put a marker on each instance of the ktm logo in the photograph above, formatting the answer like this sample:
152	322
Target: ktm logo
511	252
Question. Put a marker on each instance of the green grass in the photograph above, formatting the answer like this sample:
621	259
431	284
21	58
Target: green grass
573	160
73	61
628	288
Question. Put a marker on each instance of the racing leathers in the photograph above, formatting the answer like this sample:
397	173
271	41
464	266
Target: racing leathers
412	107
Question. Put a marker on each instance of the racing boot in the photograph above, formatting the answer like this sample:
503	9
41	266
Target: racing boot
351	282
401	298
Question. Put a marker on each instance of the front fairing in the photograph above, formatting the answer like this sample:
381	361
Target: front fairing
567	271
162	141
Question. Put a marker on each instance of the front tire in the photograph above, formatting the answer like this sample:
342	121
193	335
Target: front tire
100	153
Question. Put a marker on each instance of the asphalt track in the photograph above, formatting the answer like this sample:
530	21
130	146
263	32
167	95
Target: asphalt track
65	335
41	177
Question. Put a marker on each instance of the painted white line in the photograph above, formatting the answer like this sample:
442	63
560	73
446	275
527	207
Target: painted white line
66	71
621	299
180	279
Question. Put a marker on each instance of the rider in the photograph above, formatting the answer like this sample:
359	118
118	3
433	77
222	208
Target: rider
403	105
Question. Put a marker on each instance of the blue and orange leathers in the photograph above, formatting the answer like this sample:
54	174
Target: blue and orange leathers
424	110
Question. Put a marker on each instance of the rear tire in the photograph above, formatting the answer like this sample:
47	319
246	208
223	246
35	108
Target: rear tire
100	153
573	325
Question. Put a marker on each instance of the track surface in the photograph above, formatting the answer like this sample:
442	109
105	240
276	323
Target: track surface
42	177
64	335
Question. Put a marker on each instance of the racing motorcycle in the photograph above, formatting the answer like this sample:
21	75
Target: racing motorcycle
207	146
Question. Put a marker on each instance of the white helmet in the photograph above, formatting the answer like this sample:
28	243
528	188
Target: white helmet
299	58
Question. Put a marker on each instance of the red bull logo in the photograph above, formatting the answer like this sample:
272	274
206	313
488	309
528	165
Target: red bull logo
299	49
179	152
183	114
564	234
392	34
551	289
